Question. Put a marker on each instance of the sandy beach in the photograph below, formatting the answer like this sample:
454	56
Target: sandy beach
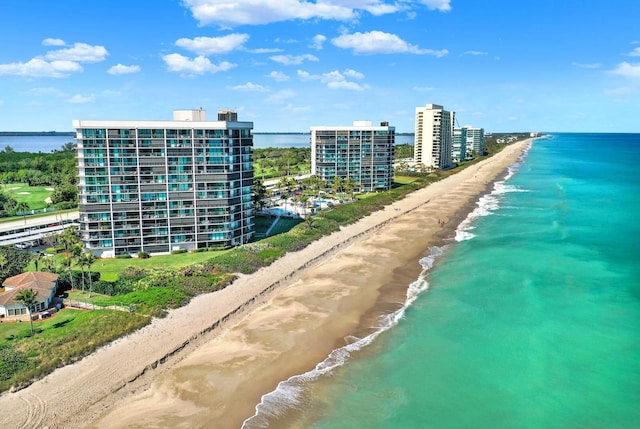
209	363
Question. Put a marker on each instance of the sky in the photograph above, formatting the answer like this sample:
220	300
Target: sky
287	65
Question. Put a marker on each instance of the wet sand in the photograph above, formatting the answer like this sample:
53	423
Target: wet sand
188	370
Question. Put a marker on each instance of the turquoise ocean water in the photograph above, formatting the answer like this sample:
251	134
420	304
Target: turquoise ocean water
529	319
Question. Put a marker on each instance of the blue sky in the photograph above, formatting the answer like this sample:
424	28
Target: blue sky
286	65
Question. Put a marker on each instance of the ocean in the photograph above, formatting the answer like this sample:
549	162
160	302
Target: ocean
47	144
528	318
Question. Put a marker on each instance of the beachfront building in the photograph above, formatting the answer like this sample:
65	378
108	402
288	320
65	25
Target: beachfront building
475	141
433	137
165	185
363	152
459	146
43	284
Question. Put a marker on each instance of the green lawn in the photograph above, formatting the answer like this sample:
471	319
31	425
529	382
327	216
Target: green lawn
110	268
33	196
284	224
403	180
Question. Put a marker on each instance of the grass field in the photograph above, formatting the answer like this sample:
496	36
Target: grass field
34	196
110	268
403	180
70	333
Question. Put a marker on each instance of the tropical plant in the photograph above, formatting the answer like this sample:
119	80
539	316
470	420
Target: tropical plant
87	260
337	184
68	238
28	298
259	194
350	185
21	209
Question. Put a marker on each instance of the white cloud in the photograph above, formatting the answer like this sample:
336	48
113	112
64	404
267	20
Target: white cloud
289	60
317	41
628	70
213	45
46	92
122	69
53	42
265	50
80	52
476	53
255	12
282	95
81	99
353	74
198	65
335	79
441	5
343	84
635	53
423	88
278	76
37	67
379	42
586	66
249	86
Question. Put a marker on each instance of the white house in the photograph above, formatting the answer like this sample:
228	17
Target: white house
43	284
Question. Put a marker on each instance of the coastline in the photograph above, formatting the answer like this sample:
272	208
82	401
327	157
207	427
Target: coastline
121	380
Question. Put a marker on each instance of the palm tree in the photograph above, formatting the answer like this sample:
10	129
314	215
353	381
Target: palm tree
310	222
68	263
77	257
87	260
22	208
337	184
304	200
28	298
350	185
36	259
69	237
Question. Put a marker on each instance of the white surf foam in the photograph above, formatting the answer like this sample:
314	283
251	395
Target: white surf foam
489	203
289	393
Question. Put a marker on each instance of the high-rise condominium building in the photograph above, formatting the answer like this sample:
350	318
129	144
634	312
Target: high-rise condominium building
160	186
433	136
475	140
459	147
363	152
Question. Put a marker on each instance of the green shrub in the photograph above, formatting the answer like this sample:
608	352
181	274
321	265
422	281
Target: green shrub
54	250
143	255
123	256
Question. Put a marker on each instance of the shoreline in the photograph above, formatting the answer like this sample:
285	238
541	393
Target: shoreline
117	374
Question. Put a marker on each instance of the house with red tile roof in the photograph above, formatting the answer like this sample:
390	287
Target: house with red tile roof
44	284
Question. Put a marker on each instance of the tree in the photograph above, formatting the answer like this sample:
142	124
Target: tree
21	209
69	237
68	263
87	260
304	200
28	298
65	196
350	185
77	257
37	258
259	194
337	184
310	222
